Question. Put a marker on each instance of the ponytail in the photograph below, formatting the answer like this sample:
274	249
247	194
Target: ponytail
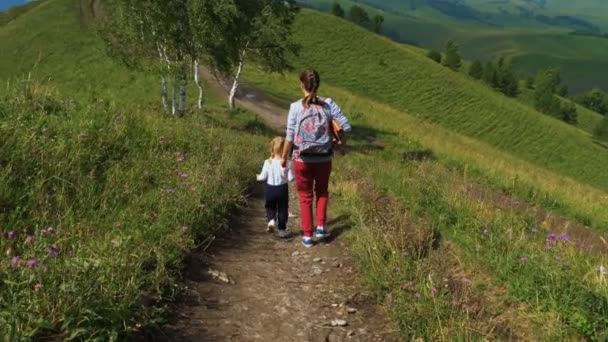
310	80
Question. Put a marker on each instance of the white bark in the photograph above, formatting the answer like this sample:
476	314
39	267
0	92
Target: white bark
237	78
197	80
173	97
235	86
182	96
163	86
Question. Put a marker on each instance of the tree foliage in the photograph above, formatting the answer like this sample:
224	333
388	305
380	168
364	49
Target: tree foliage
452	58
337	10
359	16
377	22
547	84
601	132
476	70
596	100
434	55
500	76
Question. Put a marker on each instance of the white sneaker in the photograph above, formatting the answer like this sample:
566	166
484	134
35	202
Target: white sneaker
270	227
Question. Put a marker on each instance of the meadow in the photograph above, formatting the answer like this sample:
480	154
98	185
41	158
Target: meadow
101	193
403	78
471	214
531	45
461	238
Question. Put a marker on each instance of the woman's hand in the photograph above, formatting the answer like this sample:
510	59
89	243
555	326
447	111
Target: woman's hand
284	163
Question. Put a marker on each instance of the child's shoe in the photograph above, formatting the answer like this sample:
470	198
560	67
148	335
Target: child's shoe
270	227
321	233
283	233
307	242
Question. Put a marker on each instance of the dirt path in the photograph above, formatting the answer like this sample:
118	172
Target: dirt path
251	286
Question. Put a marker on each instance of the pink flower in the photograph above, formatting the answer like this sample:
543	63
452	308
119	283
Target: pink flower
12	235
417	295
118	225
15	261
32	263
523	259
184	175
434	291
29	239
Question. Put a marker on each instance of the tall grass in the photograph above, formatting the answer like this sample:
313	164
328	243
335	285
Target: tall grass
98	205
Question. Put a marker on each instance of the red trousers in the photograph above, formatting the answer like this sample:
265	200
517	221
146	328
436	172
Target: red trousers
312	179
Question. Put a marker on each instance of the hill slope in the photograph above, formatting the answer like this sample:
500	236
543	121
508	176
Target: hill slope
402	77
531	45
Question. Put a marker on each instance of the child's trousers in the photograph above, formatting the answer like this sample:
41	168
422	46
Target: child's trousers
277	204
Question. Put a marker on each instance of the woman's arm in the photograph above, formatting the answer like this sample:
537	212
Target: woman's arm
338	115
286	151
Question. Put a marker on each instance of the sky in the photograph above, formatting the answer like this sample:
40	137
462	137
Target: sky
6	4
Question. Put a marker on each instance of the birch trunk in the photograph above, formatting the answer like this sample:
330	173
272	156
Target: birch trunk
197	80
182	96
173	97
163	86
237	78
235	86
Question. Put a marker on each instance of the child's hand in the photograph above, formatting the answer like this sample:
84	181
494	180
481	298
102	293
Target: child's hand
284	163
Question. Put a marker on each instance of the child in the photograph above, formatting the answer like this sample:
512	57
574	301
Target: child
276	189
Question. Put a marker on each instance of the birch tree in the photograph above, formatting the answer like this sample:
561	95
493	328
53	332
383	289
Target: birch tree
265	38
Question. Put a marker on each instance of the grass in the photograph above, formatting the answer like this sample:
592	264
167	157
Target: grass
477	241
404	79
531	45
101	194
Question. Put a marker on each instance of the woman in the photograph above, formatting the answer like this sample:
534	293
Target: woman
309	140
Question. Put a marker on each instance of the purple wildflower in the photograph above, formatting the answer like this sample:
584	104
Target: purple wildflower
53	250
50	230
184	175
29	239
564	237
551	237
523	259
32	263
15	261
534	230
417	295
12	234
434	291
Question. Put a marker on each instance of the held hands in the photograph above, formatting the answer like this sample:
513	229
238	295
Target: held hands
284	162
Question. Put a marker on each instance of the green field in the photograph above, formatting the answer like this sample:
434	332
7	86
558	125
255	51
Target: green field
101	193
499	270
403	78
474	216
531	46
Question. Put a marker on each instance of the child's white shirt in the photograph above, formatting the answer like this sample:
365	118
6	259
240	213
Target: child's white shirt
274	174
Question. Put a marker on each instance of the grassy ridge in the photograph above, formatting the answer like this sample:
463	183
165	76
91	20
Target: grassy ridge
404	79
51	42
531	45
101	195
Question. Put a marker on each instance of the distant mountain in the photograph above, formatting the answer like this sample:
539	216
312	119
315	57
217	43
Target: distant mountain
6	4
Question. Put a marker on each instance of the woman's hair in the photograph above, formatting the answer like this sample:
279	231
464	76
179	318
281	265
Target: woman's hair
311	81
276	147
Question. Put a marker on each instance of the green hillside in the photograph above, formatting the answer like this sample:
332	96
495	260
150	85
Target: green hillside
403	78
466	211
531	45
451	231
101	194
